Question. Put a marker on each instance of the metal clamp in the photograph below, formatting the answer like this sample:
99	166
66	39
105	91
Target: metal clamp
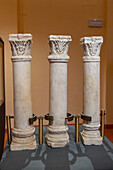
69	117
84	117
102	112
48	117
33	119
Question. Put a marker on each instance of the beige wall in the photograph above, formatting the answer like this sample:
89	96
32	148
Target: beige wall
8	24
109	51
42	18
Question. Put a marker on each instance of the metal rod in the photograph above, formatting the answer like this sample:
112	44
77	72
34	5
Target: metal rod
77	128
9	129
102	123
40	130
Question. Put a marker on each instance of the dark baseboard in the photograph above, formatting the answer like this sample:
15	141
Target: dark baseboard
109	126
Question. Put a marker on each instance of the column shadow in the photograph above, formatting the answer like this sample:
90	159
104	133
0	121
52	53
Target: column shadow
72	156
52	159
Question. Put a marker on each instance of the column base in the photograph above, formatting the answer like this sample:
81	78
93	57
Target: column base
57	137
91	137
23	140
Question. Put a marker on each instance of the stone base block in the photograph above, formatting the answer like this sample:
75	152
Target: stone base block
23	144
57	137
23	139
19	147
91	137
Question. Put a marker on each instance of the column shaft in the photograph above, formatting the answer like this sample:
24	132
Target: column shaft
58	92
91	104
22	94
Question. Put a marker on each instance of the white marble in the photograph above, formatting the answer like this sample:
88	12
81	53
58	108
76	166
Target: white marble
23	133
91	90
57	135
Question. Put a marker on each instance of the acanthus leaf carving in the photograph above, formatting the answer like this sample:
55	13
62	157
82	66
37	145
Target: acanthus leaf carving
20	45
91	45
59	44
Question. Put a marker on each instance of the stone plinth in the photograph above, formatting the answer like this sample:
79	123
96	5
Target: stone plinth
57	135
23	133
91	90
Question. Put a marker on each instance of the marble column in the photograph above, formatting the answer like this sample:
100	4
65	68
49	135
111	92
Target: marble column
57	135
23	133
91	90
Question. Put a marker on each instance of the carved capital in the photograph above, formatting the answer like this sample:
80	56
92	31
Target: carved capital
91	45
59	44
20	44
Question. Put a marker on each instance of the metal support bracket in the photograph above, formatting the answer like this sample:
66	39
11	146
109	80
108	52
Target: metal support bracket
48	117
69	117
102	114
8	118
33	119
40	122
77	116
84	117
